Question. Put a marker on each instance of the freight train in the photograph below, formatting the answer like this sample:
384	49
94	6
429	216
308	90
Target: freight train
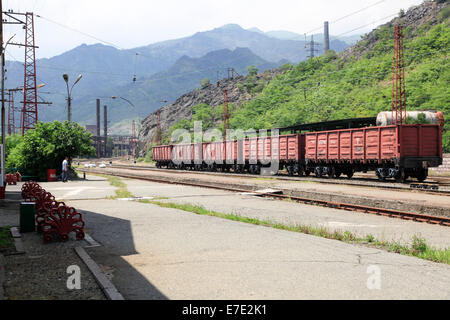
391	151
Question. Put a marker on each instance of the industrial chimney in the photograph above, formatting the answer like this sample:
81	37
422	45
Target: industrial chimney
326	38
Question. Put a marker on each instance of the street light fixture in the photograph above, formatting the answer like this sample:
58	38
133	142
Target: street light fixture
69	93
129	102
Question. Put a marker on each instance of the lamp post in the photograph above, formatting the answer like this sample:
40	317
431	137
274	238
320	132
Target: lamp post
69	93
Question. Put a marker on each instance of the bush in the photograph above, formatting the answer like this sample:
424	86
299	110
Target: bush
205	83
47	145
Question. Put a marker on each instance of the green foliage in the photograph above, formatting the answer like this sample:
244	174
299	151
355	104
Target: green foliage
287	67
148	156
205	83
12	141
47	145
252	71
444	14
421	119
203	113
331	87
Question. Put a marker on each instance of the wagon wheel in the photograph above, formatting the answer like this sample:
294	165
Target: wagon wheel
332	172
307	173
350	174
318	172
400	177
290	171
300	171
422	175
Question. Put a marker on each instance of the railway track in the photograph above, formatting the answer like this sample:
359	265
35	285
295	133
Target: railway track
356	181
439	220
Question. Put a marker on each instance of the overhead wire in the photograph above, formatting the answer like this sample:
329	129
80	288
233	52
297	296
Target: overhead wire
347	16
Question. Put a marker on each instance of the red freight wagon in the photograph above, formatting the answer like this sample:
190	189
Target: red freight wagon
162	155
392	151
213	153
291	147
231	152
251	150
182	155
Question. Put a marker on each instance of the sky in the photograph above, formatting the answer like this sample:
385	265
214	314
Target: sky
134	23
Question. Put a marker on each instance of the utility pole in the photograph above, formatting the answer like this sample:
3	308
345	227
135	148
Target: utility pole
133	139
398	79
2	180
11	113
105	126
158	133
226	115
311	46
98	128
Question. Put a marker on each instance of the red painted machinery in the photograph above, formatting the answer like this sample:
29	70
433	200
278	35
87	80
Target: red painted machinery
53	218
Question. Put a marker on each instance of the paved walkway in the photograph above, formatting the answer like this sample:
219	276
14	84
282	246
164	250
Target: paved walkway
158	253
290	213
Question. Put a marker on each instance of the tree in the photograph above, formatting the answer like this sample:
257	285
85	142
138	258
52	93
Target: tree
47	145
252	71
205	83
12	141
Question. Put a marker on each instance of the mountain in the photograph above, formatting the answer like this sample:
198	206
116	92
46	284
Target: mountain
354	83
336	43
109	71
183	76
358	81
209	98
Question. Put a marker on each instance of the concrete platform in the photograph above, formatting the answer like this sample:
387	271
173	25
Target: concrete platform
171	254
362	224
151	252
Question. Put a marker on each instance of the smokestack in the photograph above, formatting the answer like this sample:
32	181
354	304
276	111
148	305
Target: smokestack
326	37
98	128
105	129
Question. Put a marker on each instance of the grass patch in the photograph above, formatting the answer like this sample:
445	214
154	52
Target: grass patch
418	248
6	240
265	179
122	191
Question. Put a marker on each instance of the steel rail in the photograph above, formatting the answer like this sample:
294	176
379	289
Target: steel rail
439	220
287	178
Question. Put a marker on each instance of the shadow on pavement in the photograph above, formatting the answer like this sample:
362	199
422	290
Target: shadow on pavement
116	237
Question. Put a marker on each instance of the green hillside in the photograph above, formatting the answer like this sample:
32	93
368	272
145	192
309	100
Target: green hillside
358	83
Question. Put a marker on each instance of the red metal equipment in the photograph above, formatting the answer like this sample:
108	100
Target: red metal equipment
158	133
226	115
53	218
11	113
11	179
398	80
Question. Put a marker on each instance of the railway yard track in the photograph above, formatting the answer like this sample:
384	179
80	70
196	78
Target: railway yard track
435	185
419	217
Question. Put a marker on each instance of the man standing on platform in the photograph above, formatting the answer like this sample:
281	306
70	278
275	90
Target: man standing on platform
65	170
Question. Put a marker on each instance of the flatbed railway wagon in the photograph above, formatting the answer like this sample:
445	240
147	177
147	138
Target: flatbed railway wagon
395	151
